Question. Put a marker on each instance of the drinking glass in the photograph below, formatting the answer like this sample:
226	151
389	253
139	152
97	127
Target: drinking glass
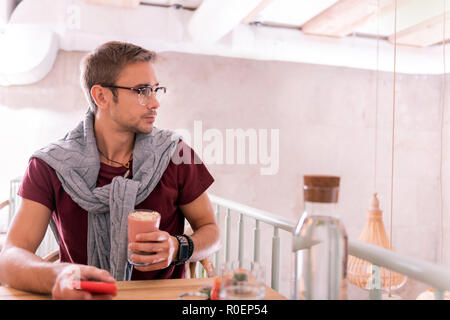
141	221
242	280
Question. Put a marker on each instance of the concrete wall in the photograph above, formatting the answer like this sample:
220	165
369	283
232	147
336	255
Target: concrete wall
325	117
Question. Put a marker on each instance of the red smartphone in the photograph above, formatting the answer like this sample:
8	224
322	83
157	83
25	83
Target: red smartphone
96	287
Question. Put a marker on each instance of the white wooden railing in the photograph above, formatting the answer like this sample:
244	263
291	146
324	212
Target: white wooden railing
258	216
437	276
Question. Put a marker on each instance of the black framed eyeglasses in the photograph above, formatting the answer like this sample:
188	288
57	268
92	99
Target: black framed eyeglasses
144	92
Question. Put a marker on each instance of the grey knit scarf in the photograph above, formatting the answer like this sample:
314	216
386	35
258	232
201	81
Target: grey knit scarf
76	162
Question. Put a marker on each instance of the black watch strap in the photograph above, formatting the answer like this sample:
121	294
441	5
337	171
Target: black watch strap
183	251
191	244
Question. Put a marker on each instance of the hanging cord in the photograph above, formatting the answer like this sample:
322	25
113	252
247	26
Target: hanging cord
393	142
376	102
441	198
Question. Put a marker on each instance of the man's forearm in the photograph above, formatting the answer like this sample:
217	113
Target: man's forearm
26	271
206	241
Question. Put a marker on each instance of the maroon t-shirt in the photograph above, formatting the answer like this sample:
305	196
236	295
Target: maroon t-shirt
180	184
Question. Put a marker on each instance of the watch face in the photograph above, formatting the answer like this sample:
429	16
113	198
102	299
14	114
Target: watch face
183	248
183	251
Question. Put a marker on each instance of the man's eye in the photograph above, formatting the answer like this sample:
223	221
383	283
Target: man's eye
145	91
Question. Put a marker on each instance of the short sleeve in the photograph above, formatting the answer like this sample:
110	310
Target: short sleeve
192	175
37	183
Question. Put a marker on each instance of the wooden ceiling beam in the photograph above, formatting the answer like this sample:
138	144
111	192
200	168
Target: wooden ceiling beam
342	18
426	33
254	14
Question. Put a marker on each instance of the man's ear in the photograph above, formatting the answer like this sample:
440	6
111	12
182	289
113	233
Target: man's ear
101	95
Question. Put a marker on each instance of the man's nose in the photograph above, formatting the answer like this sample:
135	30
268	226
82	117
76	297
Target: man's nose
152	103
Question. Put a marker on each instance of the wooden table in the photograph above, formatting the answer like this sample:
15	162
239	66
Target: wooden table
140	290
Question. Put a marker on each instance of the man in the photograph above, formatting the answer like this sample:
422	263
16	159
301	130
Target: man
85	185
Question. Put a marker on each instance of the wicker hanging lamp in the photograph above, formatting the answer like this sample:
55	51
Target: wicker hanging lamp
360	271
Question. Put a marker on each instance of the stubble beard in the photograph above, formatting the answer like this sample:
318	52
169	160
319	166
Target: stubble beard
130	127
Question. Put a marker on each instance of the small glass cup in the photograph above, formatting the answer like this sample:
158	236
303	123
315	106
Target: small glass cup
141	221
242	281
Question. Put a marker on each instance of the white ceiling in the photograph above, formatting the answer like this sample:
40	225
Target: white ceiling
294	13
37	29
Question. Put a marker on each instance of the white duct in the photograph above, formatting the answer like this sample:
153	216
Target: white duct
27	53
38	28
214	19
6	8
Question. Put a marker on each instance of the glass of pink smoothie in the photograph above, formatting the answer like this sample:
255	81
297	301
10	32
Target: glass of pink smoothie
141	221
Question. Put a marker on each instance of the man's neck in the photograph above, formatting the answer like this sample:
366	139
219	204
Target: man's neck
113	144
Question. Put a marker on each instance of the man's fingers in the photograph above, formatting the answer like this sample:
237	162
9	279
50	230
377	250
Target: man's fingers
66	286
159	243
93	273
153	236
152	267
146	247
150	259
67	293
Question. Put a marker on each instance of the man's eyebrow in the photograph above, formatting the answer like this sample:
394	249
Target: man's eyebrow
146	85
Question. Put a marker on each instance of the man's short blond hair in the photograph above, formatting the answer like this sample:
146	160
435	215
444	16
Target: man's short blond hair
104	64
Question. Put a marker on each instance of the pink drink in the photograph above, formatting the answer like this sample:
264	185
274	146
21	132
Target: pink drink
141	221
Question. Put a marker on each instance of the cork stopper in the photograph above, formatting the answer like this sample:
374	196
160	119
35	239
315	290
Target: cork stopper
321	188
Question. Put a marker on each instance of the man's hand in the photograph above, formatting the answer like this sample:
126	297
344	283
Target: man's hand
162	244
63	288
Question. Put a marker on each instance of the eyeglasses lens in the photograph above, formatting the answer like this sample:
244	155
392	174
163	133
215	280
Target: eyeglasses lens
145	94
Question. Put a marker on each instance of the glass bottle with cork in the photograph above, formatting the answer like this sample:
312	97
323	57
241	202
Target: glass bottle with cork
319	243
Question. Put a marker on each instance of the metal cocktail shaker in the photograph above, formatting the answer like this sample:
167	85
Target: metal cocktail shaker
319	244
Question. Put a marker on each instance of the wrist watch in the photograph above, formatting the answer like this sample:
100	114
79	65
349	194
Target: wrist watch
183	251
